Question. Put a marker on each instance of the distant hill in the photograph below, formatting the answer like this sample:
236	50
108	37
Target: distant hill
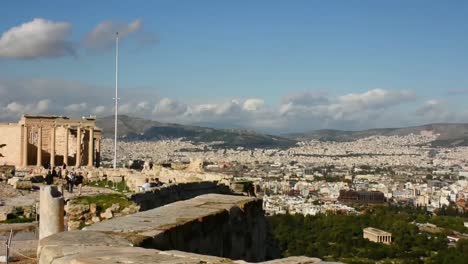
134	128
449	134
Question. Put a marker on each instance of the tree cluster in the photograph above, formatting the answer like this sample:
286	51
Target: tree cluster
340	237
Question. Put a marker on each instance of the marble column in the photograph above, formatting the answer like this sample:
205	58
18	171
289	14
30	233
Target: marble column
25	145
65	154
51	210
52	147
78	147
91	147
39	146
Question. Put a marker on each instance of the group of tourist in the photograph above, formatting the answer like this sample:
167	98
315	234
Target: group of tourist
154	182
69	178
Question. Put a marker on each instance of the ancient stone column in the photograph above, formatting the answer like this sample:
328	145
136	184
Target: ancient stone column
78	147
25	146
91	147
51	211
52	147
39	146
65	154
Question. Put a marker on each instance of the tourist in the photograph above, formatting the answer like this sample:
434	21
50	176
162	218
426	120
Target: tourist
146	186
79	182
71	178
59	172
49	179
158	182
153	183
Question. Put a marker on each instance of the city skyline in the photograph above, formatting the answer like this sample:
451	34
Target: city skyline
273	66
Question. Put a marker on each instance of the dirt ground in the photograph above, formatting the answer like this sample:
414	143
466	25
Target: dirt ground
24	247
13	197
27	246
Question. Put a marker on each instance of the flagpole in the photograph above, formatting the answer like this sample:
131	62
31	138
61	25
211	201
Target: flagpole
116	95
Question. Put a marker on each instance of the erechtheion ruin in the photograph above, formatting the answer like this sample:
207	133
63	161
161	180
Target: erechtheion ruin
50	141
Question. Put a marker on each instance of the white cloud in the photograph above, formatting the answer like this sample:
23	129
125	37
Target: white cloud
16	109
253	104
373	108
38	38
103	35
169	108
376	98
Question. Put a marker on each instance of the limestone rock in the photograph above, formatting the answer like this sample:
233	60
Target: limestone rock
28	211
74	210
107	214
93	208
5	211
23	185
114	208
12	181
96	219
131	209
74	225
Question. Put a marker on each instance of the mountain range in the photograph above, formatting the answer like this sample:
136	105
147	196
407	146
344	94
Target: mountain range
448	134
134	128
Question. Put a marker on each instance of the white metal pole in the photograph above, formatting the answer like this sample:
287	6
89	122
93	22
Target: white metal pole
116	95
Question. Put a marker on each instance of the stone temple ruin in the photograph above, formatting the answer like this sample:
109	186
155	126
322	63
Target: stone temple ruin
50	140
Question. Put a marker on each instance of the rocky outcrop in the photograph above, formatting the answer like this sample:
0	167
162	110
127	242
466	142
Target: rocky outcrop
222	227
80	215
167	194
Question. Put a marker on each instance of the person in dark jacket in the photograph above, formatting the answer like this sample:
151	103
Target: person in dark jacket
79	182
49	179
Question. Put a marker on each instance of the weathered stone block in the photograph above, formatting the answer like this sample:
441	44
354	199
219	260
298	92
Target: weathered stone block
23	185
107	214
5	211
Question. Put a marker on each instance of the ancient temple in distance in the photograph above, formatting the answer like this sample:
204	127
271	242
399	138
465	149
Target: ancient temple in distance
50	141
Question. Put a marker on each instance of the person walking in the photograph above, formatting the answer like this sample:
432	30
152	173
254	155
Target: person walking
71	178
79	182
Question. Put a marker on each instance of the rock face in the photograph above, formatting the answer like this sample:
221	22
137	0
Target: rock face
80	215
172	193
217	225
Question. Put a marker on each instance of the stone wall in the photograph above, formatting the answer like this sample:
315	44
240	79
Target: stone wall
221	227
10	134
167	194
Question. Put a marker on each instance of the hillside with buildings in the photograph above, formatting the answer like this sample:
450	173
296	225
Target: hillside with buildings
133	128
448	134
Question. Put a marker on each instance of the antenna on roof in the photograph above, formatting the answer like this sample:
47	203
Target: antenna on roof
116	95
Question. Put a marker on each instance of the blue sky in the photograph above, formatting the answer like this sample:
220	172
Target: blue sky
276	66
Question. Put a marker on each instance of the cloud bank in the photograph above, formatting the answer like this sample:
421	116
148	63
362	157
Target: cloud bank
41	38
297	111
38	38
